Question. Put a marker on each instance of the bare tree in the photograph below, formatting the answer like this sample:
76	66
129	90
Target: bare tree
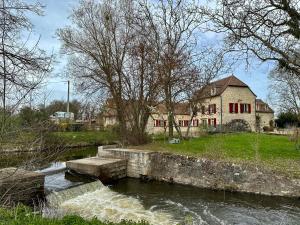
285	90
22	65
174	24
210	65
267	29
111	53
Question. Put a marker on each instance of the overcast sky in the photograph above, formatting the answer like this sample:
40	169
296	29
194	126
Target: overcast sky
56	15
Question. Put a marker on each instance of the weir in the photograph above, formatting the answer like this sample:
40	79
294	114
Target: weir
94	200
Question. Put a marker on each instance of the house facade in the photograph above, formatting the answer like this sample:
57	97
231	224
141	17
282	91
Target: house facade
226	102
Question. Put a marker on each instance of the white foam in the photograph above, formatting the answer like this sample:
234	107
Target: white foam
107	205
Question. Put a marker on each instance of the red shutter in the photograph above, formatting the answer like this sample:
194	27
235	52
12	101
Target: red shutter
215	122
215	108
236	108
242	108
249	108
209	122
231	107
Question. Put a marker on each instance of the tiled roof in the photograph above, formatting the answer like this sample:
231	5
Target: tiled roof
180	109
216	88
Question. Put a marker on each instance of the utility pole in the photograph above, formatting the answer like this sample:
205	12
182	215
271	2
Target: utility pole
68	99
4	64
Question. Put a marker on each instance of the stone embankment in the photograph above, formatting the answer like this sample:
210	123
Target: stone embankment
204	173
18	185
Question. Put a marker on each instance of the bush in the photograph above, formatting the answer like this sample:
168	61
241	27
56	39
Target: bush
268	129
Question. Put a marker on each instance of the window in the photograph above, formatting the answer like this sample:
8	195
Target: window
212	109
195	123
183	123
160	123
212	122
180	123
233	107
245	108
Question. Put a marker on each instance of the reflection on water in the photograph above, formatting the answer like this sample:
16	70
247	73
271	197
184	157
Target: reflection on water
163	203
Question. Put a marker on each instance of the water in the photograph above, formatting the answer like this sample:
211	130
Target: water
162	203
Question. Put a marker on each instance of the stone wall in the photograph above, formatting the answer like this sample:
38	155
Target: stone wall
265	119
204	173
238	95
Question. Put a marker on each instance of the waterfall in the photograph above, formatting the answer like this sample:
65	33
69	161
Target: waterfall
96	200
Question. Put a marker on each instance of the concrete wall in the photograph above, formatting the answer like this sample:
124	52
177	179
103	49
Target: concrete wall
204	173
137	161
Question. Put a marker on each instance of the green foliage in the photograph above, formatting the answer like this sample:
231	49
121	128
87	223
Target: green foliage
22	215
288	119
32	117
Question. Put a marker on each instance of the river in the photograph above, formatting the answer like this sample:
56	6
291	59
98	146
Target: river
163	203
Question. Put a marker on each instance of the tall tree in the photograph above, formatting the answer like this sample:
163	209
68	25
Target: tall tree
110	54
183	64
174	24
267	29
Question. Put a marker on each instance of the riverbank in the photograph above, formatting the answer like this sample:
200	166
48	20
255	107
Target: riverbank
273	152
85	138
24	216
32	142
204	172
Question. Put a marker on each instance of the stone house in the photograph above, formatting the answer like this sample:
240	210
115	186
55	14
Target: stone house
231	101
225	102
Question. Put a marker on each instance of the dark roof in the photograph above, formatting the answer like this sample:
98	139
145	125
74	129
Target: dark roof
216	88
262	107
180	109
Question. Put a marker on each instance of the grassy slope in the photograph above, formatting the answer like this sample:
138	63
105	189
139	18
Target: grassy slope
24	216
276	152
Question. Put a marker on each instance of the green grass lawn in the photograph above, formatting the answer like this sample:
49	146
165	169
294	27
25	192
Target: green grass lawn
87	137
276	152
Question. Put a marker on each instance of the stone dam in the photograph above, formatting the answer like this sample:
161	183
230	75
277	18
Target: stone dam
114	163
